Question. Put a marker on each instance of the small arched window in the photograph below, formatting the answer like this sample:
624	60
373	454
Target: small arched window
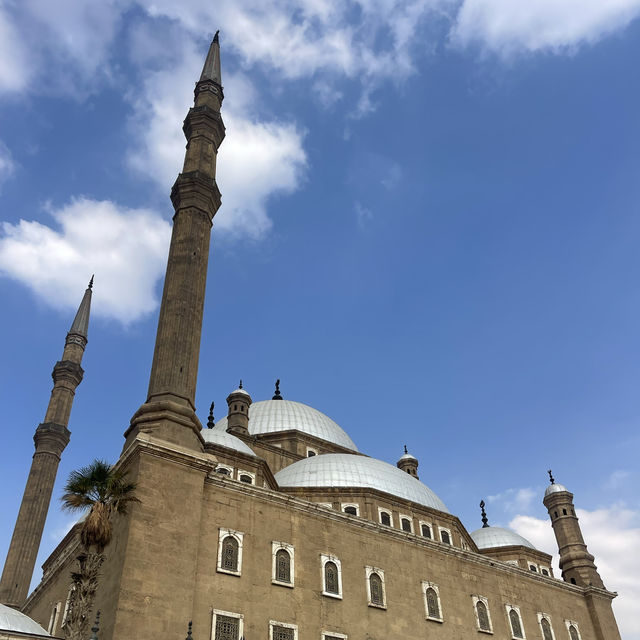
555	513
331	578
564	512
246	478
433	606
483	616
223	471
283	566
516	626
532	567
547	634
311	453
351	510
426	530
573	633
545	572
230	554
375	587
573	581
385	518
445	537
406	524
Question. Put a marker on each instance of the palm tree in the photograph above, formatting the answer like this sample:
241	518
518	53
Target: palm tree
104	491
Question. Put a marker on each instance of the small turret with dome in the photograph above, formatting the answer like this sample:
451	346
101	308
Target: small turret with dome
408	463
239	402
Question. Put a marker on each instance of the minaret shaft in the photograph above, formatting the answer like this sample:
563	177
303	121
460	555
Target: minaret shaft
169	411
51	438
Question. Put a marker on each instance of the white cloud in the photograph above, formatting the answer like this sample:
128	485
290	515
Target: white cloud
613	537
514	500
363	215
258	158
617	479
506	27
15	69
125	248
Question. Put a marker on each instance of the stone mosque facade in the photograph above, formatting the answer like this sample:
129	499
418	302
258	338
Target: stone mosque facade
270	524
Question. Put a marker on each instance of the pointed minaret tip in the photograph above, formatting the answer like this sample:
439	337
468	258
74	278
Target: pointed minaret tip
211	70
80	324
485	520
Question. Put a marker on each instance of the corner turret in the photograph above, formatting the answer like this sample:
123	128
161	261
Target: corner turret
408	464
239	402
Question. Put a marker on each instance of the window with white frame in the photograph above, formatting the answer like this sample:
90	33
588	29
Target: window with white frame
328	505
333	635
385	517
67	605
246	476
311	452
224	470
230	551
544	620
445	536
352	508
545	571
282	631
331	576
227	625
55	615
515	622
406	523
533	567
432	605
425	530
282	560
483	616
376	596
572	629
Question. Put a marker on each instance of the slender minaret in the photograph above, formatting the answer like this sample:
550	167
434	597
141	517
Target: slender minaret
169	412
576	563
51	437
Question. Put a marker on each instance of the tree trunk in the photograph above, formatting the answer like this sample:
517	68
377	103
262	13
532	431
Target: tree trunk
84	584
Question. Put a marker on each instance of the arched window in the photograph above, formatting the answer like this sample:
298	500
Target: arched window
545	572
532	567
283	566
426	530
246	478
230	554
406	524
545	625
224	471
573	633
516	626
433	606
385	518
375	588
445	537
573	581
483	616
351	510
331	584
310	453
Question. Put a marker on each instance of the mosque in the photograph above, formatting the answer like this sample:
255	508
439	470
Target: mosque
270	523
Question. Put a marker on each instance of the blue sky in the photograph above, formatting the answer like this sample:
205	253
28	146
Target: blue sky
429	231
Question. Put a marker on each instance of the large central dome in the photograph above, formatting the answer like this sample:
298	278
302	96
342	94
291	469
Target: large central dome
347	470
272	416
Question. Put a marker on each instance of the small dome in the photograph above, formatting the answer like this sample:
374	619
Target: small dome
224	439
348	470
272	416
554	488
13	620
239	390
408	456
489	537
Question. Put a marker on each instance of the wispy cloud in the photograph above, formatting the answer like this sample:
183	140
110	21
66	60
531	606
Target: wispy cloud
363	215
7	165
612	535
514	500
125	248
508	28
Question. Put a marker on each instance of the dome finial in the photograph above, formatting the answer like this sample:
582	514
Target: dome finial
405	449
210	421
189	636
551	476
240	387
96	627
485	520
277	395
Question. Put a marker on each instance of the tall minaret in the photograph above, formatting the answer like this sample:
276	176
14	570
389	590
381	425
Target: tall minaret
51	437
169	411
576	563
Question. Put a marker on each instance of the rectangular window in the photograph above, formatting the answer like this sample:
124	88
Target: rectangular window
282	631
227	625
333	635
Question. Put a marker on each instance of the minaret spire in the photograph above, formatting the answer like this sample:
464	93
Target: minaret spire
51	438
485	520
169	411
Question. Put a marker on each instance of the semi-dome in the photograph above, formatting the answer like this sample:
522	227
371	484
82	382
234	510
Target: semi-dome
555	488
271	416
489	537
224	439
13	620
347	470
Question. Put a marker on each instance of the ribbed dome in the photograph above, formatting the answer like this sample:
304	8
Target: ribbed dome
271	416
489	537
224	439
12	620
347	470
555	488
